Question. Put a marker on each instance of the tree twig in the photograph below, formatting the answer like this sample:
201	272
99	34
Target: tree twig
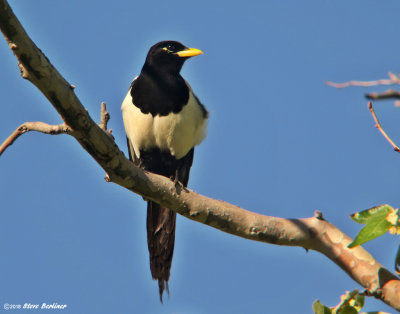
34	126
310	233
379	127
389	94
393	79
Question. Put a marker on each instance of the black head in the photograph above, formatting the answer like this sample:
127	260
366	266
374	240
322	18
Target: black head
169	56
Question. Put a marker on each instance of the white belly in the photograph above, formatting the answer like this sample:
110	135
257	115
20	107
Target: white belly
177	133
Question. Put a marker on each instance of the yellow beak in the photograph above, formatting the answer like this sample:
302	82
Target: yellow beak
190	52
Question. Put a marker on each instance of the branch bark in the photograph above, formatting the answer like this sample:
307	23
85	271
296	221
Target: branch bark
311	233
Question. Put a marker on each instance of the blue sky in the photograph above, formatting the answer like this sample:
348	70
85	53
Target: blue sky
280	142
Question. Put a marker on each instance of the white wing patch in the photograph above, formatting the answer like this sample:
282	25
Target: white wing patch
177	133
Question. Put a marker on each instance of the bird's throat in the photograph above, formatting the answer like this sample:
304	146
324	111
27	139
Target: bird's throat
159	92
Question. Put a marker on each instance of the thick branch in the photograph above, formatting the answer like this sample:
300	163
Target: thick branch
34	126
311	233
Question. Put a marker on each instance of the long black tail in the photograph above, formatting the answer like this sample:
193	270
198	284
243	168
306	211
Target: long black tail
161	224
161	221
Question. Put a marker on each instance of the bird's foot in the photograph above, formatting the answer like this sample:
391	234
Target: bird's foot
179	186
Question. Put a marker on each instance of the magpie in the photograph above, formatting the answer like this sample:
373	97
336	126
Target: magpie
164	120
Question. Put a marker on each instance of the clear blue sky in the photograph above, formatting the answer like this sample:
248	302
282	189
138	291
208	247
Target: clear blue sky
280	142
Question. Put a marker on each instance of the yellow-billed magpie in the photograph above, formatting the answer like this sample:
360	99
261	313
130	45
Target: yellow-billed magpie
163	121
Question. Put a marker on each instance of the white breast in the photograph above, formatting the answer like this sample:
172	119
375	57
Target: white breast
177	132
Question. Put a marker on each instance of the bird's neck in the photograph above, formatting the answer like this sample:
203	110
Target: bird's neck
162	73
165	79
159	92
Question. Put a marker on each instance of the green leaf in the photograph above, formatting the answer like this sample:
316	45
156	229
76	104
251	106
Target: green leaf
359	302
347	309
365	216
319	308
374	228
350	303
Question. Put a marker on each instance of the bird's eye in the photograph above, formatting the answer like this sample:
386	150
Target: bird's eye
170	48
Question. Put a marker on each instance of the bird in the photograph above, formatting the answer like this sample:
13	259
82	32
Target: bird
164	120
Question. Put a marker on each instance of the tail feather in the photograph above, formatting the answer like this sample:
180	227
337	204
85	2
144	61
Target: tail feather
161	224
160	220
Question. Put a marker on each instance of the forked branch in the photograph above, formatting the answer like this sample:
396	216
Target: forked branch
34	126
51	129
389	94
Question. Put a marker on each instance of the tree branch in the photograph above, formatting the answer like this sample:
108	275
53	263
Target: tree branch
389	94
393	79
34	126
52	129
311	233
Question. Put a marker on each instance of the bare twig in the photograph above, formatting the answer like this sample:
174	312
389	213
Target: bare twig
389	94
393	79
35	126
379	127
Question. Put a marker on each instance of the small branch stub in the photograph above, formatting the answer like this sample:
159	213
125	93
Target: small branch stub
318	215
107	178
104	118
